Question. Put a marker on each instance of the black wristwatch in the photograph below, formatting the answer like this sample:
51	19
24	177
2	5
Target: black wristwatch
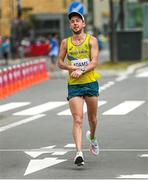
83	70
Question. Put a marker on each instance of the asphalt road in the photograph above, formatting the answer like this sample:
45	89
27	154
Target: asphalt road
36	140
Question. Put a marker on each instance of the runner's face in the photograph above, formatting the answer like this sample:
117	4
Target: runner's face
76	24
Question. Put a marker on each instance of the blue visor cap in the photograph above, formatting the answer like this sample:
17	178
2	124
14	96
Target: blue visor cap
75	13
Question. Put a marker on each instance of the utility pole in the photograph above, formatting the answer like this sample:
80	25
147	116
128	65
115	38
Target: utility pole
19	8
122	14
12	5
91	15
113	36
16	29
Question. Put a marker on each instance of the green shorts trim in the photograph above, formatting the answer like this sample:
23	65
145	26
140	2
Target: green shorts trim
89	89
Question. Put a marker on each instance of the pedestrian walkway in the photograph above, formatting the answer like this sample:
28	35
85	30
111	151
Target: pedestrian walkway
36	112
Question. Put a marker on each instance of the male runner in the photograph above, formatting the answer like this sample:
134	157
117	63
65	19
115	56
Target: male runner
82	52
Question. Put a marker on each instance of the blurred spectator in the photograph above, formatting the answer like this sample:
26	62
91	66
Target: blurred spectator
102	40
24	48
100	43
5	48
0	46
54	50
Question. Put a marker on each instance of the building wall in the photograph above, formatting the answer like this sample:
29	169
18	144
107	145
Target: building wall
9	10
44	6
101	12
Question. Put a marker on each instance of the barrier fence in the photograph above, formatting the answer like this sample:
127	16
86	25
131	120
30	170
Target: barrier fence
21	76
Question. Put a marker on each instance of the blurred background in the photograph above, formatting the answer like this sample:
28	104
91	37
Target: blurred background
26	27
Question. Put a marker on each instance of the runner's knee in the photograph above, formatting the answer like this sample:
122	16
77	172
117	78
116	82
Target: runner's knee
78	120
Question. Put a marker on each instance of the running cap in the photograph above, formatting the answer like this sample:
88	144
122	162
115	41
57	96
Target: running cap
76	13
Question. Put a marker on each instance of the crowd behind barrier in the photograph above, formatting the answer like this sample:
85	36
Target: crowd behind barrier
40	46
24	48
17	77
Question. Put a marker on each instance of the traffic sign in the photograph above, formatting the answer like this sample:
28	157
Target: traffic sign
77	7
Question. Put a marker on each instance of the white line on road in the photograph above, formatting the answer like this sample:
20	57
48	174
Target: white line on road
70	145
12	125
10	106
43	150
71	149
124	108
144	74
107	85
121	78
41	108
67	111
59	153
39	164
143	155
134	176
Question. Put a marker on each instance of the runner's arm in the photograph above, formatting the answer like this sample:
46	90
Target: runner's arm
94	54
62	55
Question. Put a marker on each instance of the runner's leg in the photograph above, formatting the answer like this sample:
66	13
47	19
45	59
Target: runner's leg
76	107
92	106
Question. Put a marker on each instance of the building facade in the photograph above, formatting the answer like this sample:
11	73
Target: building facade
49	16
43	9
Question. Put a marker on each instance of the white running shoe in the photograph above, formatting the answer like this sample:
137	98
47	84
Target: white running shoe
79	160
94	146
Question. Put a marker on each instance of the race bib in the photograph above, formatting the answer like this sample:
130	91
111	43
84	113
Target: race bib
81	62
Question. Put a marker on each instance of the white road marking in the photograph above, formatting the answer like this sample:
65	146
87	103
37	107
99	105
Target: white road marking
67	111
48	147
12	125
10	106
35	154
121	78
70	146
59	153
142	74
43	150
41	108
39	164
100	103
107	85
143	155
124	108
134	176
141	70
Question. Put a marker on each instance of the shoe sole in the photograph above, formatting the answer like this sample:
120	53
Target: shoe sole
79	161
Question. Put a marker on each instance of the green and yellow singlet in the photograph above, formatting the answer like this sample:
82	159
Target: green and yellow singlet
79	55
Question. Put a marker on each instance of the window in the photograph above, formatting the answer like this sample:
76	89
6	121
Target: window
134	15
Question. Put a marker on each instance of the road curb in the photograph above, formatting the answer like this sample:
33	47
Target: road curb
136	66
129	70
